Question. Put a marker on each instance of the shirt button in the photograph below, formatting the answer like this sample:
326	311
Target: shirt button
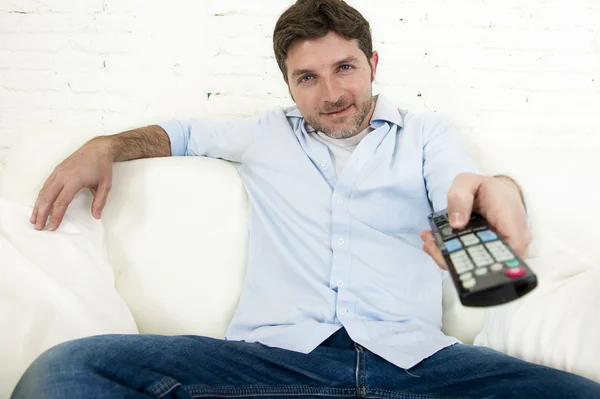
340	283
339	201
323	164
343	311
341	241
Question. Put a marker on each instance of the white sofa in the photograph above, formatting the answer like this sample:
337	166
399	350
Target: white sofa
168	257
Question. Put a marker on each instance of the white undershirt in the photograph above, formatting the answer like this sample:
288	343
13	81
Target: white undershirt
341	149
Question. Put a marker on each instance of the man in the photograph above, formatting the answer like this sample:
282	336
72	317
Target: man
339	299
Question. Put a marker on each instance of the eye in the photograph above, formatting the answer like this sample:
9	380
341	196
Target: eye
306	78
346	67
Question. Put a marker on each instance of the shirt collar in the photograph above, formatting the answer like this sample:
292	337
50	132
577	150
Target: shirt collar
385	111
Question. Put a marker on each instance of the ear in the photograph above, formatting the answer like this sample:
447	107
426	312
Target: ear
374	62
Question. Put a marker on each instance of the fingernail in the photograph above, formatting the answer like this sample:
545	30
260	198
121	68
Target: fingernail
456	218
98	214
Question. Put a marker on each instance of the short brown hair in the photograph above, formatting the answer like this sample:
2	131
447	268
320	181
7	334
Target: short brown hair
311	19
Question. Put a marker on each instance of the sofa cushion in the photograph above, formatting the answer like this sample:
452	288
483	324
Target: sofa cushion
557	324
54	286
176	236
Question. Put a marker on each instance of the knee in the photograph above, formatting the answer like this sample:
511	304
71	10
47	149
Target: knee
58	369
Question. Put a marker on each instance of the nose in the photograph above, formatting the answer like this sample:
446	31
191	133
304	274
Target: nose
330	91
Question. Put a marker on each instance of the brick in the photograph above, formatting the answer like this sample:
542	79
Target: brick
87	82
261	87
236	25
46	23
119	6
74	61
101	44
234	65
114	24
72	7
54	100
233	106
26	60
256	7
20	6
33	80
248	46
567	40
47	43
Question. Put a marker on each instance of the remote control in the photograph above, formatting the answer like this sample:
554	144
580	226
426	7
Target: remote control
485	270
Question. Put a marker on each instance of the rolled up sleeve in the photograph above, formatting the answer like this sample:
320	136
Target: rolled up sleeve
227	140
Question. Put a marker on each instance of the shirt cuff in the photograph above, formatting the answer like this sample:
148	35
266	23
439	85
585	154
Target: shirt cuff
179	135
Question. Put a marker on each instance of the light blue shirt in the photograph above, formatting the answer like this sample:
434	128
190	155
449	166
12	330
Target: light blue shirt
327	251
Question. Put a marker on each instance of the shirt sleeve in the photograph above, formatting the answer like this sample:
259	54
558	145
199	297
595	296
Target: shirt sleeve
444	157
216	139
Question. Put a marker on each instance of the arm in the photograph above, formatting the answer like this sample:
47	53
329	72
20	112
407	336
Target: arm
454	183
145	142
91	167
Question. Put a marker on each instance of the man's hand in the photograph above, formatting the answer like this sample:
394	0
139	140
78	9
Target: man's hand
91	167
88	167
497	199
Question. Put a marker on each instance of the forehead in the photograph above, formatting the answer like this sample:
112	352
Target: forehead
322	51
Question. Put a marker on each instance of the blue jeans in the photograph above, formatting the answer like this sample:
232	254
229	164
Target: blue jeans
153	366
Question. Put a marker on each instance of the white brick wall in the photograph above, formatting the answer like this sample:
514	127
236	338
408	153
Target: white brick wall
520	77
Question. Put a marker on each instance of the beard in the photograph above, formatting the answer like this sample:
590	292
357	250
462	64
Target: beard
364	109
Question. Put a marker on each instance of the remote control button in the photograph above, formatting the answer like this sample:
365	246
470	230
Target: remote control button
447	231
487	235
500	252
496	267
495	245
466	276
480	271
461	261
515	272
439	219
453	245
469	239
480	255
504	256
469	283
512	263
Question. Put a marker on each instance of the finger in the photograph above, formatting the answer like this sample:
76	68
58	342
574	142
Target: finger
461	197
427	235
47	198
60	206
100	198
520	242
47	183
431	248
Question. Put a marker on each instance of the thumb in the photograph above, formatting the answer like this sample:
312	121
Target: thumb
461	198
100	197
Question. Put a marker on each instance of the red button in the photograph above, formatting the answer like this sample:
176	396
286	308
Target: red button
515	272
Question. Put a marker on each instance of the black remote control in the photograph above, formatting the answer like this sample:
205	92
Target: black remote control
485	270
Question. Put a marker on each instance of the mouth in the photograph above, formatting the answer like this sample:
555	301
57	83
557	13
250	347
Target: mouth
340	112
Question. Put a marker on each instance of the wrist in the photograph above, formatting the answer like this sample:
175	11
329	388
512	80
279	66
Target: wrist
106	146
510	182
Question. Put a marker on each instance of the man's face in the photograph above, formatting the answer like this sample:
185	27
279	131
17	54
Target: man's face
330	79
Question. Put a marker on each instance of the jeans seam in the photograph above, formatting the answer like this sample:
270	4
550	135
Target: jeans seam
376	393
254	390
162	387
